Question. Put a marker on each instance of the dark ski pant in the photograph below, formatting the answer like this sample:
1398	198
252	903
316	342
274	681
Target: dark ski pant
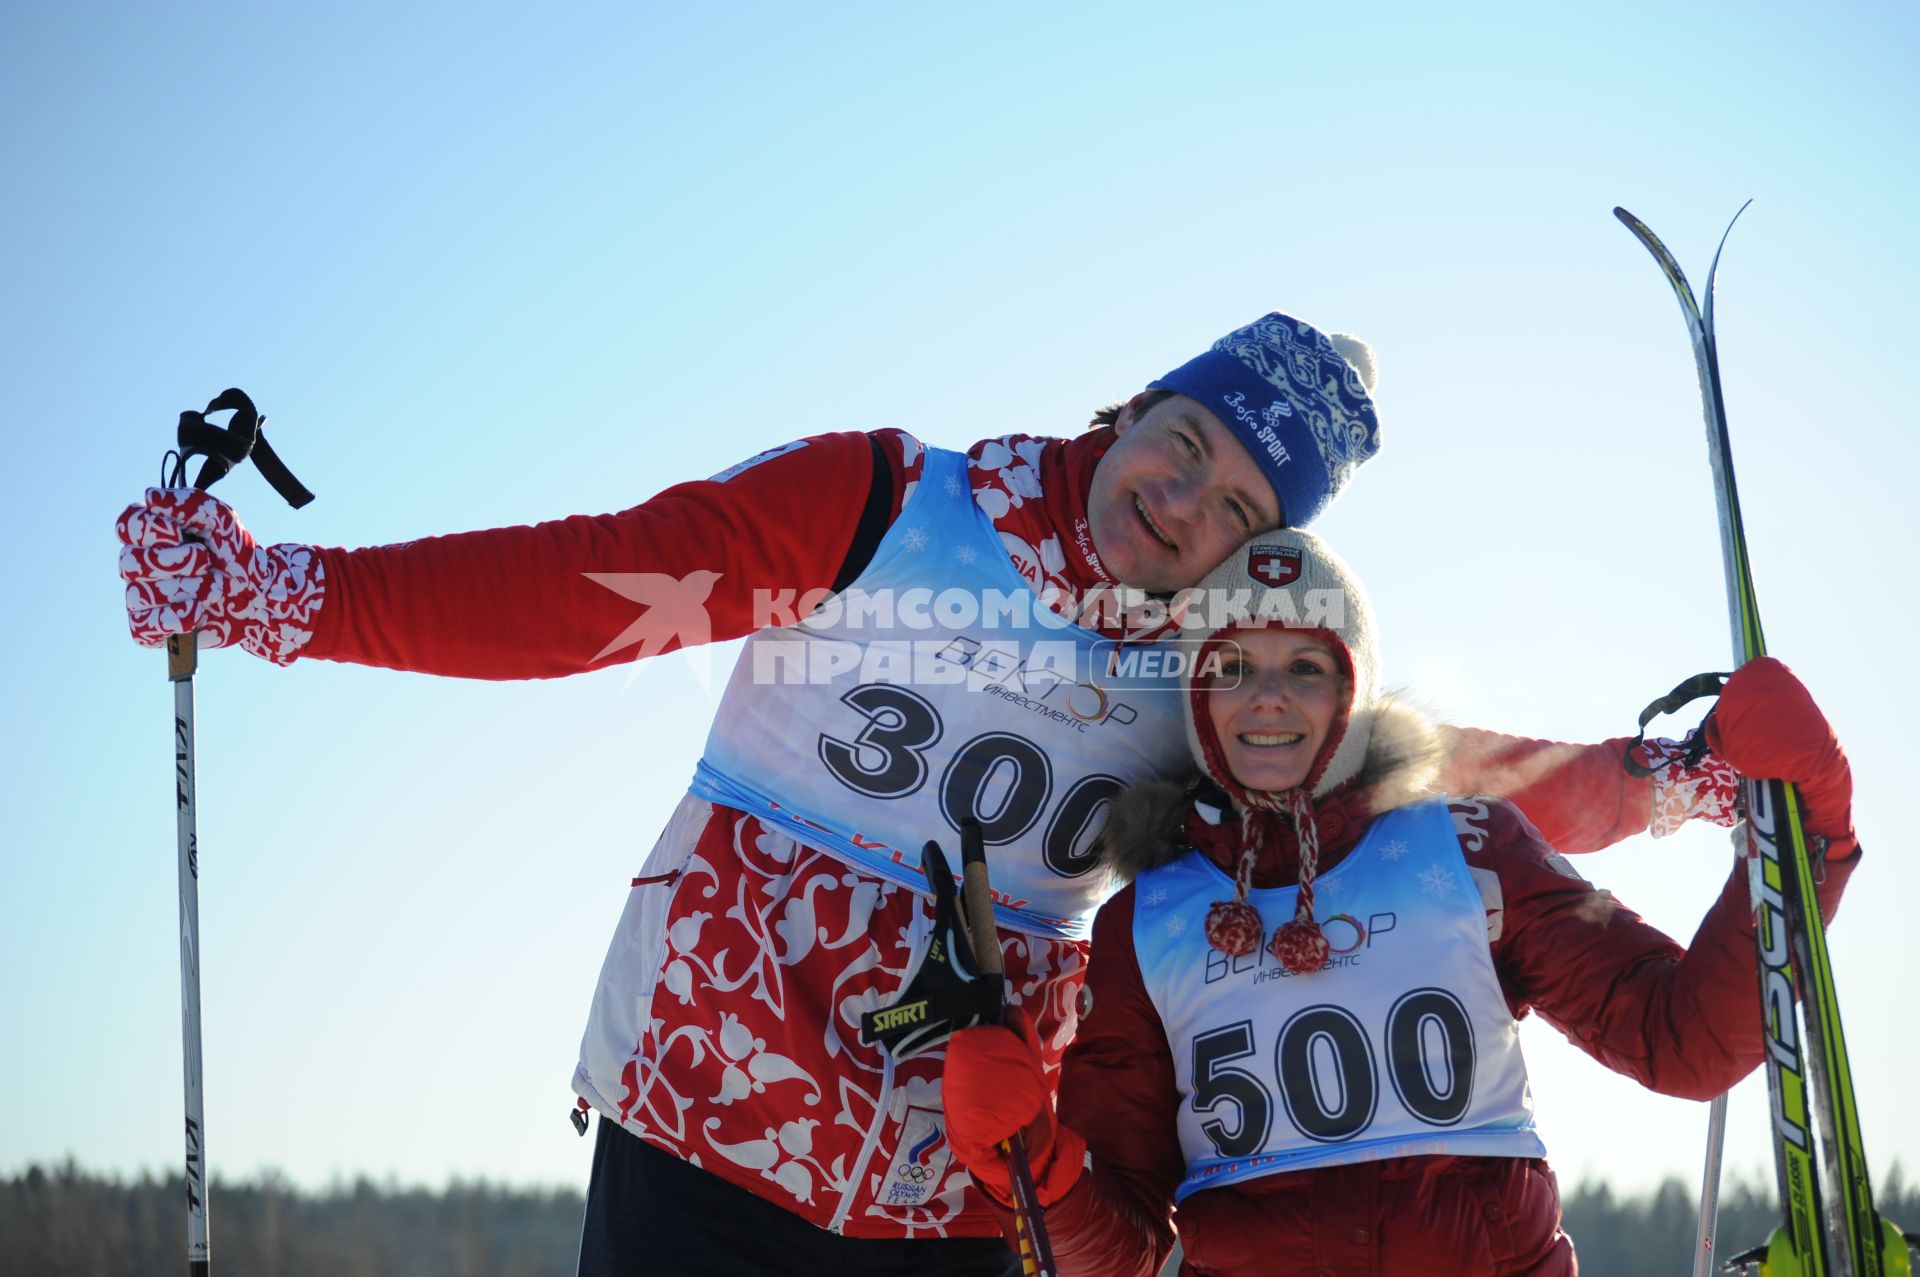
649	1212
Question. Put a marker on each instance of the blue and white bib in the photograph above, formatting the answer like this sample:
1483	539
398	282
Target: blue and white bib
1401	1045
937	687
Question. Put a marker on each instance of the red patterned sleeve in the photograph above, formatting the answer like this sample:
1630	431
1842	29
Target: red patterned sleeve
1117	1090
700	562
1581	797
1680	1021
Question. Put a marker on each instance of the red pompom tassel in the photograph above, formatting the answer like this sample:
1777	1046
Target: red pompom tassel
1234	927
1300	946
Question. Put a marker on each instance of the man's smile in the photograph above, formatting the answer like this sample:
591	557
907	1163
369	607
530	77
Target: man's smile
1147	518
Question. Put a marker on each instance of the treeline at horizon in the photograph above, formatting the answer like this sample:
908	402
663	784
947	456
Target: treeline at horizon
64	1221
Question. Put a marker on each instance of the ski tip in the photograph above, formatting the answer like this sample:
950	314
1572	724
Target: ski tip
1736	217
1643	232
1713	271
1633	223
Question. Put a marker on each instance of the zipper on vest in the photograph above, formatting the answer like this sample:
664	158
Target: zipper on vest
883	1107
857	1177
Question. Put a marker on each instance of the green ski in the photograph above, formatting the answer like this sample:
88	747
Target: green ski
1808	1077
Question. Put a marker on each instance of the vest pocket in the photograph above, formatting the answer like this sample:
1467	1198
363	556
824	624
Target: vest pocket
623	998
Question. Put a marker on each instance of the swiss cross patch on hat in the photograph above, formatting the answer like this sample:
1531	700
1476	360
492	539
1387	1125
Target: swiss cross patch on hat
1274	565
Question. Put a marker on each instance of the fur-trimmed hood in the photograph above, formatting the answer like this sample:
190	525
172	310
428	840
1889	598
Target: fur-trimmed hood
1146	826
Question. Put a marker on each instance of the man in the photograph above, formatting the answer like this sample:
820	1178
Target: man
915	661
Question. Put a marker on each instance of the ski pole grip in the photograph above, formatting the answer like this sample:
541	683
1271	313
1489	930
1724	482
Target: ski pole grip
183	656
222	448
978	898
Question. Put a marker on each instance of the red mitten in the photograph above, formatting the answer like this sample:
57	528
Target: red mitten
995	1086
1767	727
190	565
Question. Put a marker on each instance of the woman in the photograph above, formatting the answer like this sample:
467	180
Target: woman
1300	1037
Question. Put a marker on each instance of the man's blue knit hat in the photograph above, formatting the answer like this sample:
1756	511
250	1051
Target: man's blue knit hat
1298	400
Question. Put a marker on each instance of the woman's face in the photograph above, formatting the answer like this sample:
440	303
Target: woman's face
1272	723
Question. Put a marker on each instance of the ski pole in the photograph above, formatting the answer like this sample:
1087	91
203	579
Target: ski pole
181	659
1685	694
1036	1252
223	449
1710	1187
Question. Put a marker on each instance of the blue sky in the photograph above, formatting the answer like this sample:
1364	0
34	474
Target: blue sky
482	265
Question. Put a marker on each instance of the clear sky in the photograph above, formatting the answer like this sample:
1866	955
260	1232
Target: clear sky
490	264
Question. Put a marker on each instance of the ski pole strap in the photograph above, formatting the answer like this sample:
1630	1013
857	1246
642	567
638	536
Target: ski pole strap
225	447
1686	693
948	992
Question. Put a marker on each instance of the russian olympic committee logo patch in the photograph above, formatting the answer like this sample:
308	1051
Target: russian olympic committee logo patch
919	1162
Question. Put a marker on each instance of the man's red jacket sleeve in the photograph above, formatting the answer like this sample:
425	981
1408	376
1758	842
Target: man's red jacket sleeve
517	603
1581	797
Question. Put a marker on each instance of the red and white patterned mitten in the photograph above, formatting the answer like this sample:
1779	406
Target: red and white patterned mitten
189	565
1706	788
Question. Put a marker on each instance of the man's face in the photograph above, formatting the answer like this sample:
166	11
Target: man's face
1174	495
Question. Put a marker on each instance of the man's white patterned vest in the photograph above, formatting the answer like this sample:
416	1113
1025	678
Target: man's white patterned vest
939	686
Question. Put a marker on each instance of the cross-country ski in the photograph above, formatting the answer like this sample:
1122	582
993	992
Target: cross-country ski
1812	1084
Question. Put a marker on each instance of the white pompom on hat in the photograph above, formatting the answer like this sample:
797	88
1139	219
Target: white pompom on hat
1360	355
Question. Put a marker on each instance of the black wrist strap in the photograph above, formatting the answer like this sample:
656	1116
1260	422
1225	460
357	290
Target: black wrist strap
1686	693
225	447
